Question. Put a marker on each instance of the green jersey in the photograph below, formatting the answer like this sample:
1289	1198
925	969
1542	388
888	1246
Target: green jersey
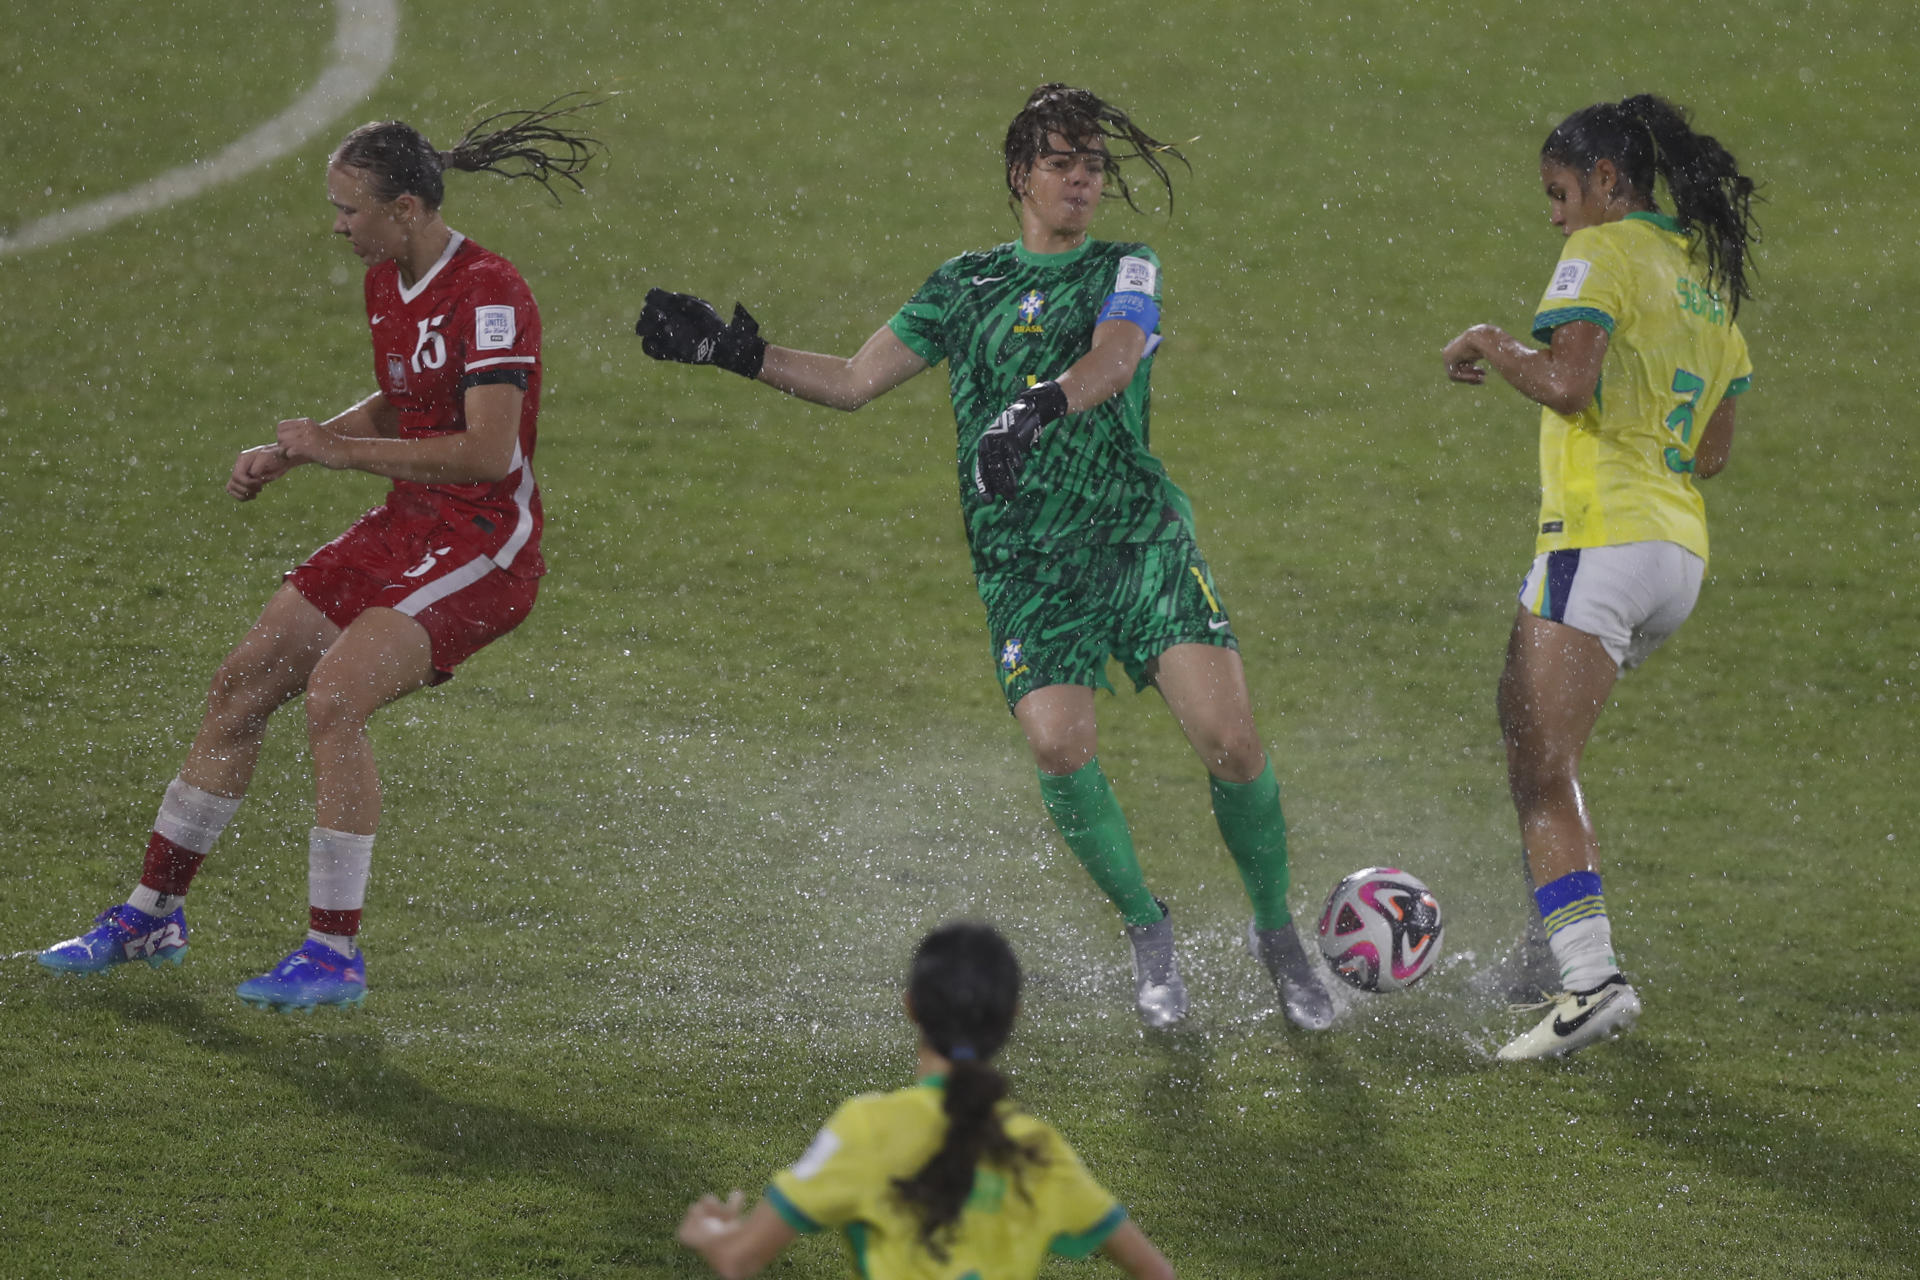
1005	319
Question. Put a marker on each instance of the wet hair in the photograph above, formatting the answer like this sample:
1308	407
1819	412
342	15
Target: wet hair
1648	138
1080	117
965	989
513	144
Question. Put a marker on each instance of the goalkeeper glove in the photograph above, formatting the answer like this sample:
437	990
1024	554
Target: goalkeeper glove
686	329
1003	448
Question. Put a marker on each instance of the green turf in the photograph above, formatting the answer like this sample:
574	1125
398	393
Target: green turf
652	866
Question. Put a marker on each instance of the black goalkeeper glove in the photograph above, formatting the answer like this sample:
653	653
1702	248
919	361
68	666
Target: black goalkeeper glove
686	329
1003	449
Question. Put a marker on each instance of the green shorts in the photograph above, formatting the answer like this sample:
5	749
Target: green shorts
1056	620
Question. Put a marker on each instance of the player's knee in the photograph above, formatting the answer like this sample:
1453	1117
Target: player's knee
332	710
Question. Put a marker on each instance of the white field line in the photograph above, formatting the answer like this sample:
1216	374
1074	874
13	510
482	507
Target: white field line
363	43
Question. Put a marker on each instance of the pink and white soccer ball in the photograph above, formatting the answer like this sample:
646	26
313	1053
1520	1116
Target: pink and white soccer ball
1381	929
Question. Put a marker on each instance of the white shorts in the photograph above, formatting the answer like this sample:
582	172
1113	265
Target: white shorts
1630	597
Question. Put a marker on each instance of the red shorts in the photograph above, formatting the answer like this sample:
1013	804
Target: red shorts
425	567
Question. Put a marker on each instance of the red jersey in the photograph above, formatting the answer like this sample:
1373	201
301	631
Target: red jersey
469	321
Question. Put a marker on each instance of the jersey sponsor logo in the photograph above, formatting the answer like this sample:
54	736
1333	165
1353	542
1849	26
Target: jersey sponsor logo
396	372
1136	275
493	328
818	1152
1569	277
1029	307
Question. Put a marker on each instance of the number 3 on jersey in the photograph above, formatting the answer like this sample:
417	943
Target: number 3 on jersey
430	349
1680	421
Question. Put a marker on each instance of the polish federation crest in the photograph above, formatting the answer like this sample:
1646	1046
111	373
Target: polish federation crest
396	372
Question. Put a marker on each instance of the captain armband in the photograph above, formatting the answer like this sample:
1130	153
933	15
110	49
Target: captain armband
1137	308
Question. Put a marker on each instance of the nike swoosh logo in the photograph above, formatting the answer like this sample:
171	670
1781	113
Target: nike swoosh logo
1564	1028
376	319
1217	624
987	279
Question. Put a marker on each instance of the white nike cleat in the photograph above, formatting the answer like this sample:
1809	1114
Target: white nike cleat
1578	1019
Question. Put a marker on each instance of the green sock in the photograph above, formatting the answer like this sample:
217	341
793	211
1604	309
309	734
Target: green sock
1089	818
1256	834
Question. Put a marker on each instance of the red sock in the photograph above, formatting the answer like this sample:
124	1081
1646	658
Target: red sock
169	867
340	924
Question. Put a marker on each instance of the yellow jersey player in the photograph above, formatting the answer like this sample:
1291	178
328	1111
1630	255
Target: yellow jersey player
1638	386
944	1178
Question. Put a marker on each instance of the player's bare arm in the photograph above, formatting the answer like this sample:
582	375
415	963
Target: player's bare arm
1716	442
481	453
1108	366
1562	376
882	364
734	1246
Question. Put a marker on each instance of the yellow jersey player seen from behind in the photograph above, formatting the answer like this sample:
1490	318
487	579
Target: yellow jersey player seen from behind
1621	469
946	1179
1638	387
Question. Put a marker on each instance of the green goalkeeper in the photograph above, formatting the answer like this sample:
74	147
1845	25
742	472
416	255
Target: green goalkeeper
1082	547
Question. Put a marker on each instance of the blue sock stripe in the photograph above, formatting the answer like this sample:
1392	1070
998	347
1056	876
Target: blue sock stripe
1568	888
1573	913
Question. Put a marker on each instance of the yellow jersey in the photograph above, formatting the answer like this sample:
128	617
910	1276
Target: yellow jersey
845	1181
1621	470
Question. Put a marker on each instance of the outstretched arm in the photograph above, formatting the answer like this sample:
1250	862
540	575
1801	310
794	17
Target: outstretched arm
687	330
733	1246
882	364
1562	376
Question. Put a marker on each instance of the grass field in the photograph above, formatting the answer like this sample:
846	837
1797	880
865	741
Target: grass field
652	866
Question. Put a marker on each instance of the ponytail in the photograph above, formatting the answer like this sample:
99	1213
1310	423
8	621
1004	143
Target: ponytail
1649	138
964	991
525	144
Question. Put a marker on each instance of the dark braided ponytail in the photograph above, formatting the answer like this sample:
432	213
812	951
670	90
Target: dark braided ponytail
964	990
525	144
1079	117
1649	138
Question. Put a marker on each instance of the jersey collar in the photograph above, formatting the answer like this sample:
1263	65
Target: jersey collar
409	292
1071	256
1664	221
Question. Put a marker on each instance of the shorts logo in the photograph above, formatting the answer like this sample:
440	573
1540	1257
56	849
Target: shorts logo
396	372
425	567
1029	306
1013	662
1569	277
493	328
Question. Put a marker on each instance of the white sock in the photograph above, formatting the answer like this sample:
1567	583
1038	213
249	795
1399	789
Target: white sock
192	818
1584	950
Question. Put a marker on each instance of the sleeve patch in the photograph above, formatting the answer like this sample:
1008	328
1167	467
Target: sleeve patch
815	1158
1136	275
1569	277
493	328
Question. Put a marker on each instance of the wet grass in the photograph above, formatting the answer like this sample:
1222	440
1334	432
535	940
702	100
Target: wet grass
652	865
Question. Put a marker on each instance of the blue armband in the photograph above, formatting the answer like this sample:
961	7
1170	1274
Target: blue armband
1139	308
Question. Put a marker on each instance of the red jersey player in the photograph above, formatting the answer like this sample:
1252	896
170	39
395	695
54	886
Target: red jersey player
450	562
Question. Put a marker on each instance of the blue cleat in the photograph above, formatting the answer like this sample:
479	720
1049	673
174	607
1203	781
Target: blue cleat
121	934
315	974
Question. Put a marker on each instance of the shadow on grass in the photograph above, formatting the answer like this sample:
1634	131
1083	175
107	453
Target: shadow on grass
611	1167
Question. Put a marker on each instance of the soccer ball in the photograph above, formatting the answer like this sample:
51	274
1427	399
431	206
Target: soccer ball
1381	929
